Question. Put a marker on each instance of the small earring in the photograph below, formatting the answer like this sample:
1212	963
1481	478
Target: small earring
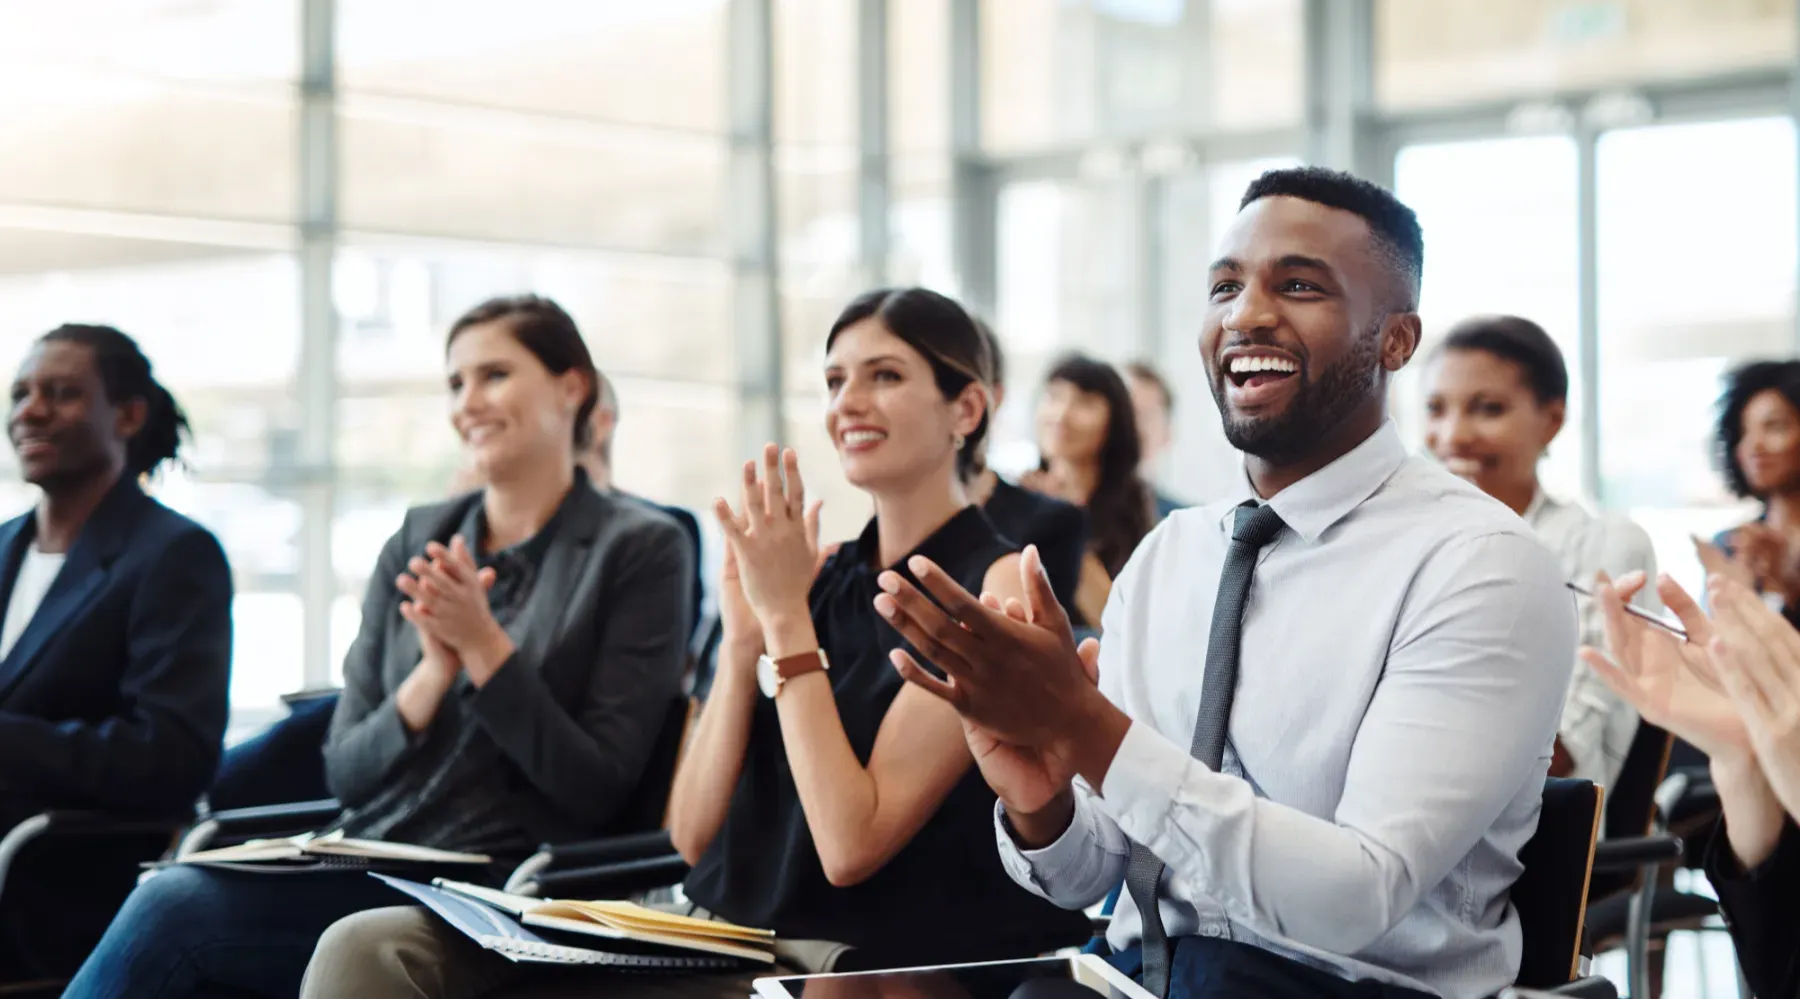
958	441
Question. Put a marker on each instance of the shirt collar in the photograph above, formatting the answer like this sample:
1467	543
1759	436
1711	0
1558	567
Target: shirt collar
1312	505
1540	502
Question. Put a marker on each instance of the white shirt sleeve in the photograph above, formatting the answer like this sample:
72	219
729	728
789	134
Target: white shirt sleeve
1461	720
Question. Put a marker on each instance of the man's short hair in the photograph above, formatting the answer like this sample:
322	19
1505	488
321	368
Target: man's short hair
1144	371
1395	228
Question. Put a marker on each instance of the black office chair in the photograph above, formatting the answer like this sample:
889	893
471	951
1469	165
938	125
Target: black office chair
60	837
1638	920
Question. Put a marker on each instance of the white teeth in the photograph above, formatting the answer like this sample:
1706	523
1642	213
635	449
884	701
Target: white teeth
1262	362
864	436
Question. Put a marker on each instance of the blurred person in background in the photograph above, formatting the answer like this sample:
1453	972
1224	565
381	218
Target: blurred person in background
1732	689
821	796
518	651
1758	437
1153	403
1088	440
115	654
1023	516
1496	396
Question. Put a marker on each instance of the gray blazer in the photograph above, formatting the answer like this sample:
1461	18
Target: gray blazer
577	708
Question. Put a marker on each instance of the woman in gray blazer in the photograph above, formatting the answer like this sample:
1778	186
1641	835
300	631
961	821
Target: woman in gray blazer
518	649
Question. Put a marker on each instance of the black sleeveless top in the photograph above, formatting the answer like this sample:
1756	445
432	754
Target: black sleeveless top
944	897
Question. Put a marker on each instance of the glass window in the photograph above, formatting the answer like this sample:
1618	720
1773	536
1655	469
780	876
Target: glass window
1670	195
815	72
1441	52
919	75
145	145
1063	72
1258	62
661	317
1501	227
661	64
463	174
218	41
920	247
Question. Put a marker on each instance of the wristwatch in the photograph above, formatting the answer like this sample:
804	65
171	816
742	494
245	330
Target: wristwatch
772	673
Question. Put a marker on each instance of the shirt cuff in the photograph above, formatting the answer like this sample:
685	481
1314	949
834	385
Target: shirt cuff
1041	868
1143	781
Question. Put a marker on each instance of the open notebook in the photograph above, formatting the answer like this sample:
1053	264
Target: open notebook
328	848
614	934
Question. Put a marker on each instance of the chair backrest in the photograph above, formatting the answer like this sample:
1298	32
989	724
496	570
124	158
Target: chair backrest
650	800
1551	894
1631	801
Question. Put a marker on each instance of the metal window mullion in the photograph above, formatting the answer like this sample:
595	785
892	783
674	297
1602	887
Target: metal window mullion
317	365
754	240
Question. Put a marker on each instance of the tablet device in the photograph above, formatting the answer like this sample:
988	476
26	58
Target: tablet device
1083	976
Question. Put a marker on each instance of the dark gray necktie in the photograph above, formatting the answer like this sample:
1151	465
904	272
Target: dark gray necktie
1254	527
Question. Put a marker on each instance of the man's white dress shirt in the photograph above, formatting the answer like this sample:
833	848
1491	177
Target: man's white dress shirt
1406	649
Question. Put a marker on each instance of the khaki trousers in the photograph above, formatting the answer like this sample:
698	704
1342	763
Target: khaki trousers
406	952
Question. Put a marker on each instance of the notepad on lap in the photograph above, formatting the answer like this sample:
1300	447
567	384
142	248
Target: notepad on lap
333	845
617	934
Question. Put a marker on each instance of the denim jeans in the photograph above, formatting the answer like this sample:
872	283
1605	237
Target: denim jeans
1209	968
194	931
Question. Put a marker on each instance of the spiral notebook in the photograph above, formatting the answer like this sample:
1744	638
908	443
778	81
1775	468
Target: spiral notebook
503	933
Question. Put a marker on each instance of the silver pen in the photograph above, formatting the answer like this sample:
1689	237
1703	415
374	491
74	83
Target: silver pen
1661	622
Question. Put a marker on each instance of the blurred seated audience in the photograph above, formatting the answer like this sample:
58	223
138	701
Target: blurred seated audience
1023	516
1496	392
115	653
1733	690
1088	440
1759	452
837	806
518	649
1153	404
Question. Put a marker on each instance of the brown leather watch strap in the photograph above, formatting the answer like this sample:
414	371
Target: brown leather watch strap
800	664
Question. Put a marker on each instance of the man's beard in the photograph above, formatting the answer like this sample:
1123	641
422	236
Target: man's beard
1316	409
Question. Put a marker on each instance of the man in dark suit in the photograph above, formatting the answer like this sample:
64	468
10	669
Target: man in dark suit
115	649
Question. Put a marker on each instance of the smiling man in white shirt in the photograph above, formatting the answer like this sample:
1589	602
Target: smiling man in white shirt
1376	653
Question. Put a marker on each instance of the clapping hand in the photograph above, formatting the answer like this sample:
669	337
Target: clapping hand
1670	682
1027	780
774	540
1027	695
448	604
1758	658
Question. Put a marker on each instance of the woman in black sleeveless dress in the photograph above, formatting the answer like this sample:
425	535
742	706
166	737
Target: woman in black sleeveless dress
820	795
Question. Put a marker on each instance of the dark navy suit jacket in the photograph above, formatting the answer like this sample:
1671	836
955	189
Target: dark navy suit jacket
115	696
114	699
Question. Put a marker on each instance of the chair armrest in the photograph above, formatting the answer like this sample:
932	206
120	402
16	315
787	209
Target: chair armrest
590	853
71	823
619	880
1636	851
611	850
238	824
1591	987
